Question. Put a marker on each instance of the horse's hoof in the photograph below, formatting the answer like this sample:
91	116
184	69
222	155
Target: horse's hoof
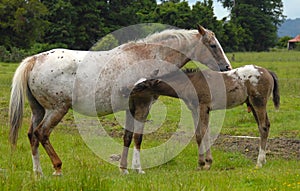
258	166
124	171
38	174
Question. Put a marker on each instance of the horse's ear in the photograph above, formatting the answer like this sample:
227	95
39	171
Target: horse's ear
154	73
201	30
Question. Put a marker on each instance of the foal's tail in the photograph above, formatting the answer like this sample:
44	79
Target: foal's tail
17	97
276	96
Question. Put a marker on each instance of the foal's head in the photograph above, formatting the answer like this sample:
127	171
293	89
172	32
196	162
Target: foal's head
145	88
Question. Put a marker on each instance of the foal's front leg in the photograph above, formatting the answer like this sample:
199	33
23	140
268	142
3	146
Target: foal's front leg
134	128
142	108
203	138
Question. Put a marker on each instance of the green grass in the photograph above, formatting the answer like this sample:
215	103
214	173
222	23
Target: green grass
84	170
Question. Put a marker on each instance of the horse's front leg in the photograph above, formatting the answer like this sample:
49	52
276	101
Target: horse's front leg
127	141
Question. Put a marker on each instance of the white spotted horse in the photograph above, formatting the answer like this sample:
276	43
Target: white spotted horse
60	79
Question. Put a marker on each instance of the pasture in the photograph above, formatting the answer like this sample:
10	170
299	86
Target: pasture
234	158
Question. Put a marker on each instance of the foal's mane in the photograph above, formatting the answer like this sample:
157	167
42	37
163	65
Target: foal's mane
179	72
190	70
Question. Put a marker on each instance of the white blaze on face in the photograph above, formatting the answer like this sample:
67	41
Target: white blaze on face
223	53
248	72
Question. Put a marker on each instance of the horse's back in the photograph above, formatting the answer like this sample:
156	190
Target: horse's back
52	77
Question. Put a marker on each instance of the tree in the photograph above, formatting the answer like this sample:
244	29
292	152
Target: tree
173	13
203	13
259	20
22	23
79	24
61	27
283	41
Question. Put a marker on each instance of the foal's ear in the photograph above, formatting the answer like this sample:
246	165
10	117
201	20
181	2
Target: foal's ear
156	82
201	30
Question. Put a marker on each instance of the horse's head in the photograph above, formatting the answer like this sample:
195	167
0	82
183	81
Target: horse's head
210	52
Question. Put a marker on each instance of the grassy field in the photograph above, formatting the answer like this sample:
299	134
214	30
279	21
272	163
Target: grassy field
231	170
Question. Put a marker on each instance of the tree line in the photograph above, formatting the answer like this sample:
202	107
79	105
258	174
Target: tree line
30	26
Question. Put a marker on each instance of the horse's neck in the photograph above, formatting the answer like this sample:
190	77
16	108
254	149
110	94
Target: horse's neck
158	52
183	45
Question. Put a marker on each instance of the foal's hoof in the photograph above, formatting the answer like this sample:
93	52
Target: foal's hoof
205	167
57	173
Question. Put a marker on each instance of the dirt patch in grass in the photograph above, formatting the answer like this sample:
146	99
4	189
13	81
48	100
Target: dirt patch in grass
276	147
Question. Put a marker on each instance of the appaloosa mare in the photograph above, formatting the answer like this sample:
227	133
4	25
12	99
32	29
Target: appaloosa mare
60	79
250	84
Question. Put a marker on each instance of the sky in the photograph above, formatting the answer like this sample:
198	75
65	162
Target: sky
290	9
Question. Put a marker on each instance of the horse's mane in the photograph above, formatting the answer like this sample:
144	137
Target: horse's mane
167	34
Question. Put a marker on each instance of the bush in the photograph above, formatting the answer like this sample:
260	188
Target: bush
13	55
297	46
42	47
17	54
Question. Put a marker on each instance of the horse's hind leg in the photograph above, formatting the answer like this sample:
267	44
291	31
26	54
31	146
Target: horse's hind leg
38	113
43	131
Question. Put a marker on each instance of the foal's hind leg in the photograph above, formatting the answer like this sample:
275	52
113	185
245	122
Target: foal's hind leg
43	131
261	116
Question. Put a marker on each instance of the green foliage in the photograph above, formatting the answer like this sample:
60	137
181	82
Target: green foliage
79	24
106	43
259	21
283	41
297	46
22	23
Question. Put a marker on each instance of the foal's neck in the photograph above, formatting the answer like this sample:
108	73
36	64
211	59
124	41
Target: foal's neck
166	89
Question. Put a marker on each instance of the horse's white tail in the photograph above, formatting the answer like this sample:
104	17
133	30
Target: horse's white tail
17	97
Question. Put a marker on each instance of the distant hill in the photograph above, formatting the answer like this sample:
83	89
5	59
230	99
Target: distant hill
291	27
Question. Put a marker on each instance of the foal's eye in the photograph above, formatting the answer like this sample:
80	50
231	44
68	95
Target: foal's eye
213	46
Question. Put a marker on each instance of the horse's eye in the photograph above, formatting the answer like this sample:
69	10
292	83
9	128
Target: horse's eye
213	46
